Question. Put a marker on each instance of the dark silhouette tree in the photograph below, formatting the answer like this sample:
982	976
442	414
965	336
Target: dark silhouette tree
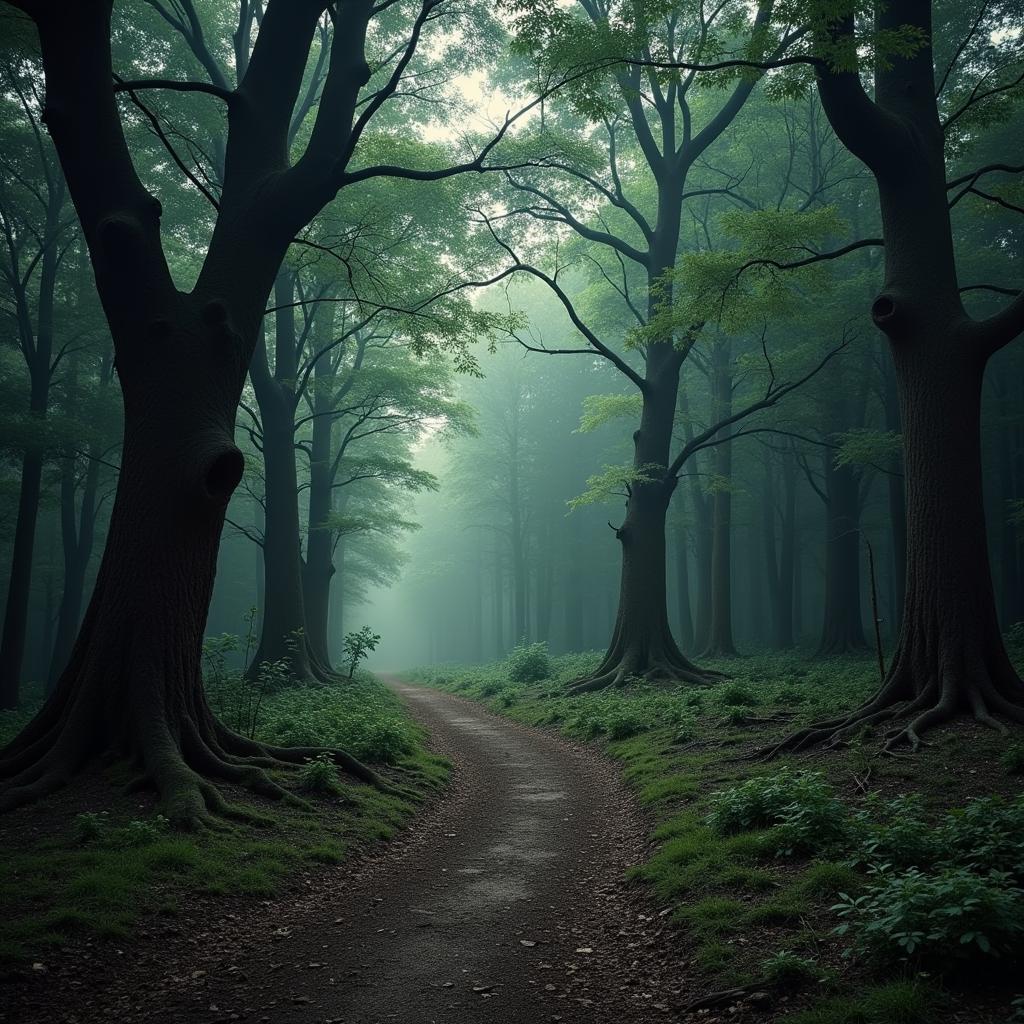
133	687
950	658
35	232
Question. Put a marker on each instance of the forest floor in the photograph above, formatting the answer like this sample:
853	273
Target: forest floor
568	872
506	901
748	860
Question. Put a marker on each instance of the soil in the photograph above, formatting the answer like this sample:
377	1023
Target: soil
506	902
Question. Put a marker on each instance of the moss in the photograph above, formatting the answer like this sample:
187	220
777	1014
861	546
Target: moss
89	881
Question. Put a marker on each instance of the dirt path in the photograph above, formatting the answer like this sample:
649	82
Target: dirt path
507	904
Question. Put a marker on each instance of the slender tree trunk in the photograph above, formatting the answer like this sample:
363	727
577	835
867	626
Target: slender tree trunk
499	605
843	624
284	636
785	631
642	642
703	534
720	641
38	342
319	566
19	584
78	530
1011	597
683	590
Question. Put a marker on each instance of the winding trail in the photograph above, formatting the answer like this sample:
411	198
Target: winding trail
506	903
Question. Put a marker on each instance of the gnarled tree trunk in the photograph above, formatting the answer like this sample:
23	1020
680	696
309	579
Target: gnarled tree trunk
950	657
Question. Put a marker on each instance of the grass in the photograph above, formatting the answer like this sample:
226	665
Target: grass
96	862
766	887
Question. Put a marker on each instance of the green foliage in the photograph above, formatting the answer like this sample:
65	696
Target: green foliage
319	775
529	663
95	827
616	482
802	808
934	918
360	717
89	826
896	1002
867	447
601	409
1012	760
788	970
736	696
896	832
359	645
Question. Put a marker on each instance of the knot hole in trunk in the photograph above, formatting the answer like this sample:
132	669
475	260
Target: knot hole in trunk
223	474
883	311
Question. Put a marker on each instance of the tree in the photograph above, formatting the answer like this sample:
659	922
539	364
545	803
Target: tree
359	645
133	686
950	657
658	131
36	232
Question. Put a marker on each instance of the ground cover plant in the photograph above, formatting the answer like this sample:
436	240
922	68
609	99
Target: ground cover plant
98	865
857	886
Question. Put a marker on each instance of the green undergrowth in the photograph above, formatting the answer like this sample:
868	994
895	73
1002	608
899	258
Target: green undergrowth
839	878
92	862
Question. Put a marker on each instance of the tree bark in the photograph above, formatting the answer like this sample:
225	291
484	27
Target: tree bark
842	630
284	637
78	533
685	612
642	643
950	657
720	640
133	687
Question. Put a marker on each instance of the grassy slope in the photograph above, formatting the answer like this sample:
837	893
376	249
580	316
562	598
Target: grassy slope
91	861
741	904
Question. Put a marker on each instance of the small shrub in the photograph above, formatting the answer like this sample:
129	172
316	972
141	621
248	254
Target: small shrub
359	645
90	826
319	775
529	663
801	808
623	724
789	970
142	833
736	696
986	835
934	918
1012	760
896	832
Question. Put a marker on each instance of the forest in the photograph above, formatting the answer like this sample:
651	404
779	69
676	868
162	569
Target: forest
512	511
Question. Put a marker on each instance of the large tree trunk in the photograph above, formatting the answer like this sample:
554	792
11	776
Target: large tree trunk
133	685
950	657
897	500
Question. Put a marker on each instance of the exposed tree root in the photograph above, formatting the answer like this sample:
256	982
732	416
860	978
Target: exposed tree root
916	700
179	757
664	663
